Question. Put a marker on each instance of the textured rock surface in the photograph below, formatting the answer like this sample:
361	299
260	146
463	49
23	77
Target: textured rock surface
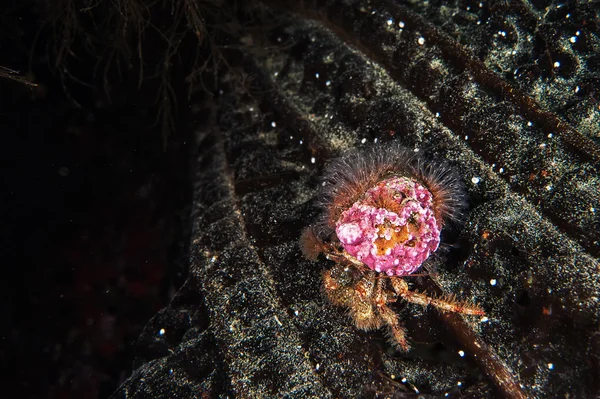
500	90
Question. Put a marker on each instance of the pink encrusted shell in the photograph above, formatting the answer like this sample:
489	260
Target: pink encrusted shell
392	229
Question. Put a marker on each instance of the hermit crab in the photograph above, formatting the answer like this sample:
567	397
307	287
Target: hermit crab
383	209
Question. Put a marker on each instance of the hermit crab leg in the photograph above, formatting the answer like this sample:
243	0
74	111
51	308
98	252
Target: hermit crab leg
396	332
443	303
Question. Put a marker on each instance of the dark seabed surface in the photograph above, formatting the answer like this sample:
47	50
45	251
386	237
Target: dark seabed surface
506	92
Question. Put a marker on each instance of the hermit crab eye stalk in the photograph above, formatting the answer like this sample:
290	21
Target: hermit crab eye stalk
386	206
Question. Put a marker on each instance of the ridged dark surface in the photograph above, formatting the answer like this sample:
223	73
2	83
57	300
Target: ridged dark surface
440	78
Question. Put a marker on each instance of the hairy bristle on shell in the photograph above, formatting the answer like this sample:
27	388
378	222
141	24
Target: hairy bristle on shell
348	177
310	244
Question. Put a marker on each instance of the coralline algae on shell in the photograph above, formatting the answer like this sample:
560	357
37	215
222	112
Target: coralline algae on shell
392	228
